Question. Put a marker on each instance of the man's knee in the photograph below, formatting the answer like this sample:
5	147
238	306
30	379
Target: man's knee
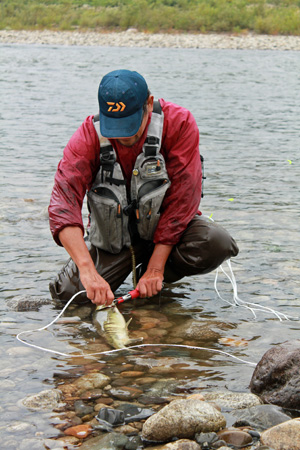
202	248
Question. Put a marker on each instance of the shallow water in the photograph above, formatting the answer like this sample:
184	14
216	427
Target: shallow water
247	106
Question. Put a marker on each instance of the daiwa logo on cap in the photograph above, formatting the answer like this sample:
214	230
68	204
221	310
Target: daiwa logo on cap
119	106
121	96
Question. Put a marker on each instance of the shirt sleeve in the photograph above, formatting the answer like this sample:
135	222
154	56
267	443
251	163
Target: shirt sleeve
73	177
180	147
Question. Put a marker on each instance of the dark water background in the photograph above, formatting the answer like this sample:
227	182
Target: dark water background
247	106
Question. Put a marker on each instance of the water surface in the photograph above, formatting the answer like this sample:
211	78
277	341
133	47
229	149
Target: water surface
247	106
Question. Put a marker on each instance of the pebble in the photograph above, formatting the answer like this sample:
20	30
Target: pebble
79	431
125	393
133	38
236	438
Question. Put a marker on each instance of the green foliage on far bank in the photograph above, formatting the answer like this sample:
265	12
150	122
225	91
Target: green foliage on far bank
235	16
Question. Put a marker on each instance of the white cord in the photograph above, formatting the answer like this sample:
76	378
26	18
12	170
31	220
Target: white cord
239	302
107	352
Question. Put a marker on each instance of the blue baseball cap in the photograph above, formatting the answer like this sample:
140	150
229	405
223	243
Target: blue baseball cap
121	96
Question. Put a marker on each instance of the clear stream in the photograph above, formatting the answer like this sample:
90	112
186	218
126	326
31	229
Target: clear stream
247	106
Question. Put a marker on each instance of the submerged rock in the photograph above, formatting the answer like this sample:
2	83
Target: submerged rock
276	377
91	381
44	400
198	330
109	441
27	303
232	400
262	417
182	419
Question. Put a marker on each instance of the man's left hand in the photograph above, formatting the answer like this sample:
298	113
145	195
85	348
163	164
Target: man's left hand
151	283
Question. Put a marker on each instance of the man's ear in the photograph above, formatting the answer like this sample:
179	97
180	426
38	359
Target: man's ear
150	103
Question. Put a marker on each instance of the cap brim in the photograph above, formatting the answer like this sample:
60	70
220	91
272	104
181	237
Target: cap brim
120	127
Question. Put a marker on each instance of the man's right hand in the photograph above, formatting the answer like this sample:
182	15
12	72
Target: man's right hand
97	289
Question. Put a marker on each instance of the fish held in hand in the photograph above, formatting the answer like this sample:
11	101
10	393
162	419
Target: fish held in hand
111	324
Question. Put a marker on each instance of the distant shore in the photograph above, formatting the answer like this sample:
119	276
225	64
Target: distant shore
133	38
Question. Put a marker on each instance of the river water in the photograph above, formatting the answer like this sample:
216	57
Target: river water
247	106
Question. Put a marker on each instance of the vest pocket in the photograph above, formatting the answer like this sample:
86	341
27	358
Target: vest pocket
151	195
108	225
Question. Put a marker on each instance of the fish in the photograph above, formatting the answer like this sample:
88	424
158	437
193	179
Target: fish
110	324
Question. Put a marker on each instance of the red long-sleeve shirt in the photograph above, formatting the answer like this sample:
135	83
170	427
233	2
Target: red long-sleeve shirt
80	164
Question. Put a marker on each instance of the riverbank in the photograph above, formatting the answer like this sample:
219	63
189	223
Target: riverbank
133	38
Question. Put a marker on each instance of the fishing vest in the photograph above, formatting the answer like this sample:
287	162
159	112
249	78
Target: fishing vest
111	212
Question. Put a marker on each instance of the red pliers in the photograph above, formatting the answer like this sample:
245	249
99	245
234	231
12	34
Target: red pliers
132	294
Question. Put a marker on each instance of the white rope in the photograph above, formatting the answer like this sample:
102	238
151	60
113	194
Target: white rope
237	301
107	352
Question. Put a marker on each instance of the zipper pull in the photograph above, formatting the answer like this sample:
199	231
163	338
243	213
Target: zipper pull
137	214
119	211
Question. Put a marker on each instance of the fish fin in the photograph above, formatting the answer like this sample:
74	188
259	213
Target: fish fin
133	341
127	323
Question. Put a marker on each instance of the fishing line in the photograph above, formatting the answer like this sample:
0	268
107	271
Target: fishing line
237	301
107	352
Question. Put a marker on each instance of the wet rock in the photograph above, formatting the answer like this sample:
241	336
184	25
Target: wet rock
196	397
92	395
197	330
232	400
90	381
149	400
183	419
182	444
133	413
128	430
81	409
276	377
83	311
99	406
134	443
145	380
68	422
79	431
27	303
131	374
112	416
285	436
30	444
17	427
68	440
105	400
262	417
236	438
208	438
125	393
19	351
44	400
109	441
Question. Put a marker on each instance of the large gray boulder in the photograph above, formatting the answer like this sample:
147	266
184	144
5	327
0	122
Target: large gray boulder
182	419
276	377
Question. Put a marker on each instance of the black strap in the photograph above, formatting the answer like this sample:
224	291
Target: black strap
157	107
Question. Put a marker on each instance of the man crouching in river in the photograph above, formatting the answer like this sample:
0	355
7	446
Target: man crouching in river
139	162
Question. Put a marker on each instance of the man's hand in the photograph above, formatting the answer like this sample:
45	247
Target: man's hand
97	289
150	283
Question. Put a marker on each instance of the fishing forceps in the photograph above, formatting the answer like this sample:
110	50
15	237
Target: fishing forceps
131	295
